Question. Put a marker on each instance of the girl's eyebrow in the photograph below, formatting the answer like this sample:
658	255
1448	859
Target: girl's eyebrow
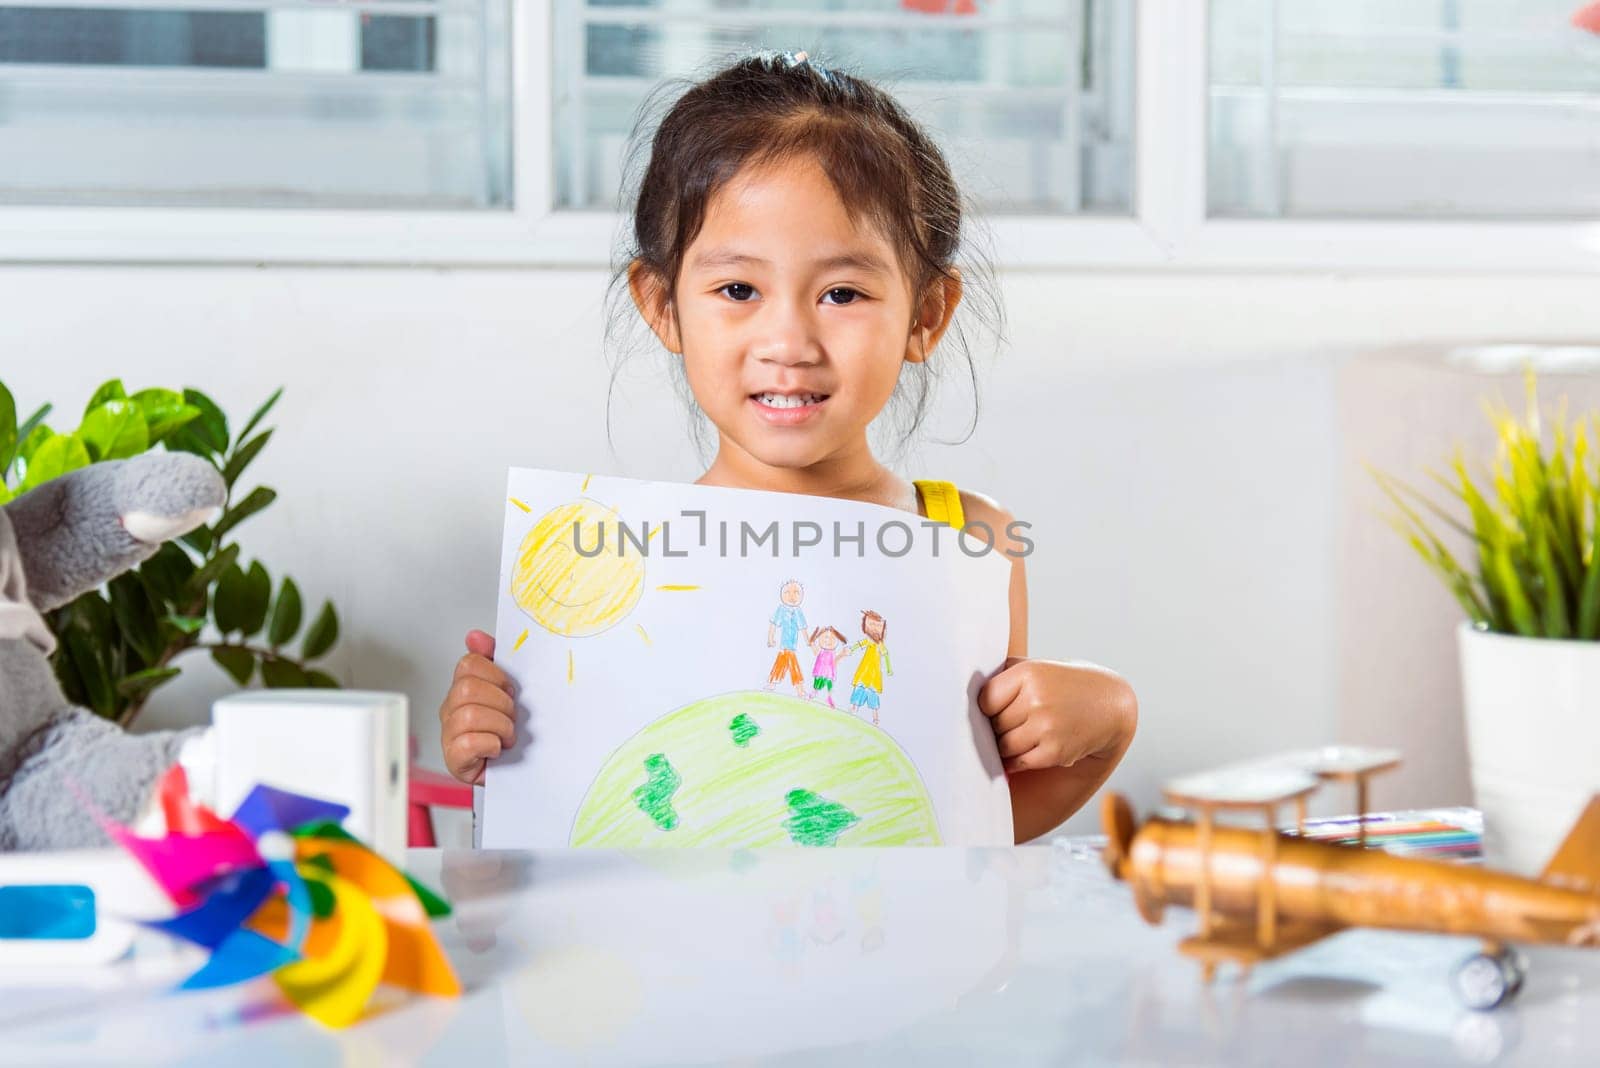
861	260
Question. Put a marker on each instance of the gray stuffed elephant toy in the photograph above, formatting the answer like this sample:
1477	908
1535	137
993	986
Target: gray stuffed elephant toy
62	539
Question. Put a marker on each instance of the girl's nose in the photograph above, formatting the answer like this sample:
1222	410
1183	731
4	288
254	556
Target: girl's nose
787	337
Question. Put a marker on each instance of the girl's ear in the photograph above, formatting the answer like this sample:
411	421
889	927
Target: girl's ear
933	316
650	296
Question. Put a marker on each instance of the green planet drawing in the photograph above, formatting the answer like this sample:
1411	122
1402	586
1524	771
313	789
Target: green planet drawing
754	769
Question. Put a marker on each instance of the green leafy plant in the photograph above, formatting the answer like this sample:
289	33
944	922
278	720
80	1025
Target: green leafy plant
1529	533
117	645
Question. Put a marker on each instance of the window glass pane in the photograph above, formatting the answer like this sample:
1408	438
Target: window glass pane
132	38
377	104
391	42
1403	109
1031	99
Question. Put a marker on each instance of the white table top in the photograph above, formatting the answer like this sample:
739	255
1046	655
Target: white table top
916	956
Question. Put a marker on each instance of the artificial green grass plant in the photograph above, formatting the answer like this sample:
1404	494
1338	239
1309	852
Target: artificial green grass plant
1528	564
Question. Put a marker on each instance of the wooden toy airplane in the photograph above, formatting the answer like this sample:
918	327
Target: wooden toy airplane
1262	893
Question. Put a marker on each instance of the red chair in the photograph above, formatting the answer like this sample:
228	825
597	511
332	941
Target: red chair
426	790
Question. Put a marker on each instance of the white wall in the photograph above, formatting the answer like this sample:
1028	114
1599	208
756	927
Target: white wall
1173	439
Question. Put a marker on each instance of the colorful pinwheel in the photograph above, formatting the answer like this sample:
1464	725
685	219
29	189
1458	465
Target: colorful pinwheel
282	888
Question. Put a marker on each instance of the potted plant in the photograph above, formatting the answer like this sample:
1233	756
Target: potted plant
1526	570
117	645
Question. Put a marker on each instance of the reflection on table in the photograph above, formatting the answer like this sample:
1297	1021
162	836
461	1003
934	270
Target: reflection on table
925	956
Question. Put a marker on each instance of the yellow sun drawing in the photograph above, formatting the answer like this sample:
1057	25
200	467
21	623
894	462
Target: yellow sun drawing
567	592
572	594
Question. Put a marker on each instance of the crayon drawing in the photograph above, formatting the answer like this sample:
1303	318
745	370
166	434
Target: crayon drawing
866	686
578	571
567	592
757	769
784	630
825	643
755	711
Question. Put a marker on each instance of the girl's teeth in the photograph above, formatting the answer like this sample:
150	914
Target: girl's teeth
779	400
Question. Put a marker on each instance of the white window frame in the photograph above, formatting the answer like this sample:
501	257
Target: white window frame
1168	231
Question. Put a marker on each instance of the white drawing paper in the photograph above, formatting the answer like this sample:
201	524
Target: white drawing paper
700	666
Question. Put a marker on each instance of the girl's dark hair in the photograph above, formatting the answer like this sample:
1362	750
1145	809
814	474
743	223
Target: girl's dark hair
771	107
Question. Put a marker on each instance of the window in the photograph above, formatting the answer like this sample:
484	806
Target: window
1357	135
209	103
1403	109
1032	100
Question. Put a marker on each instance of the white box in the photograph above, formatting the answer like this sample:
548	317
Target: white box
347	746
119	893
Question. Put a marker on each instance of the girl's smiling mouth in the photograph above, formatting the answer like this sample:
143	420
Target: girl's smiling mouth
788	409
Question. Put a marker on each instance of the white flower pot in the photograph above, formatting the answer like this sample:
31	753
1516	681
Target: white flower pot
1533	740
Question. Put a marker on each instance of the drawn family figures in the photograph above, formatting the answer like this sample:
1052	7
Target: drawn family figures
868	681
784	630
788	626
825	642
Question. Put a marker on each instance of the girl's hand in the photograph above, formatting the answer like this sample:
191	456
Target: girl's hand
475	720
1049	714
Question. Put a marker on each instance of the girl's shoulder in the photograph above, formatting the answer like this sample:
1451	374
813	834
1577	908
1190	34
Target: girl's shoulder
973	508
982	507
983	511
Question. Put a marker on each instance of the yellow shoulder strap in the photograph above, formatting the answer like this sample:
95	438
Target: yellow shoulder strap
942	501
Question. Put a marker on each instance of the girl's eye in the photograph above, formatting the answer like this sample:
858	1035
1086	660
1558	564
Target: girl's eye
851	294
743	291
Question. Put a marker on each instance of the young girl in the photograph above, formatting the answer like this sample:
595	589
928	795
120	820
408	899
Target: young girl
795	236
867	685
826	643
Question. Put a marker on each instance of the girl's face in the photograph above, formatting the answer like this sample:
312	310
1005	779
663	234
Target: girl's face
793	323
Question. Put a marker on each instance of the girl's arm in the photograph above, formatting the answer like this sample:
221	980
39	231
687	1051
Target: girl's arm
1062	727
